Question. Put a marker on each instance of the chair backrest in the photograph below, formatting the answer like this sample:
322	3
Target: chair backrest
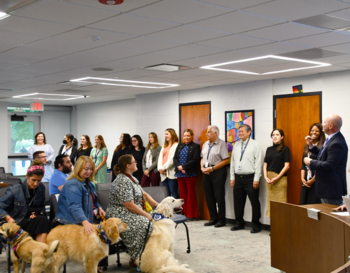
6	175
158	193
53	206
11	181
2	191
21	177
47	193
2	170
103	194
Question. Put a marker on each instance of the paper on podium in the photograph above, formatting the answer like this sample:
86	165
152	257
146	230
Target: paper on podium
341	213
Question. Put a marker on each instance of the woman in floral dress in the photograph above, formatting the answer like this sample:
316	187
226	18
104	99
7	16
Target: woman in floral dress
125	202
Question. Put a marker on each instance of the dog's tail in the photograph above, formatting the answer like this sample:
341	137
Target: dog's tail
52	248
176	269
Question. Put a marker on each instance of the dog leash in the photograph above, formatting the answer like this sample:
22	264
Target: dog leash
144	245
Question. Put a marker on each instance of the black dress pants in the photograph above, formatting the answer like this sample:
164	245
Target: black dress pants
214	189
243	187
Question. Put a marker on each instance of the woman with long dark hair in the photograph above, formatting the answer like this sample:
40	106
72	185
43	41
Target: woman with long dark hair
69	147
308	191
149	162
276	165
123	148
85	146
137	152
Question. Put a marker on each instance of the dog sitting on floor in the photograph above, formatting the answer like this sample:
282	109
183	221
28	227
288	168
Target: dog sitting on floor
39	255
158	256
77	246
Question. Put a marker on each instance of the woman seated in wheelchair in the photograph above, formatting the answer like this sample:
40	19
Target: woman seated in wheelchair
23	204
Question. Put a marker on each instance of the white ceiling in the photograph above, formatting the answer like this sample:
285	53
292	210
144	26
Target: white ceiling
48	42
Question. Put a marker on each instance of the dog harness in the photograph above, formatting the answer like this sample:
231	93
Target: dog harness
103	236
158	216
20	231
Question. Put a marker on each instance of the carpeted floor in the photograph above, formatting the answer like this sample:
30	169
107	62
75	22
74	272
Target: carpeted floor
213	250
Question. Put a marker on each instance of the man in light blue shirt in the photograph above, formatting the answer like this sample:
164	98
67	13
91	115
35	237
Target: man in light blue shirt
40	155
63	166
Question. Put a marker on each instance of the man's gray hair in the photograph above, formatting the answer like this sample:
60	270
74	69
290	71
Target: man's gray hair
246	127
214	128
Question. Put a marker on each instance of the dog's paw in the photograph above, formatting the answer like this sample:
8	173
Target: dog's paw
184	265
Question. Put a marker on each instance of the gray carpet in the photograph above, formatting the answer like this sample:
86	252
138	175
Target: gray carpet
213	250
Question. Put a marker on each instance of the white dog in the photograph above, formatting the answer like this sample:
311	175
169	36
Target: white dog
158	256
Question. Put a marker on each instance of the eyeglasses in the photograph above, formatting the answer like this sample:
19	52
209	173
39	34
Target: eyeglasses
88	169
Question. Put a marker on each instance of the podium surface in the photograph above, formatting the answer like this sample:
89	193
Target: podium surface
301	244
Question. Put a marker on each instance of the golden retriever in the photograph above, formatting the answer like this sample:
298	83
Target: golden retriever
28	250
77	246
158	256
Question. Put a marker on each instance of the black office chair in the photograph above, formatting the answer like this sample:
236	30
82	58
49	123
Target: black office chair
2	170
158	193
12	181
47	198
103	198
5	175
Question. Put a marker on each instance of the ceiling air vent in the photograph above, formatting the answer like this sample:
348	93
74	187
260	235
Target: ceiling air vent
167	67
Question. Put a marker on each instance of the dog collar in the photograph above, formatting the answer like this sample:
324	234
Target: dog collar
20	231
103	236
158	216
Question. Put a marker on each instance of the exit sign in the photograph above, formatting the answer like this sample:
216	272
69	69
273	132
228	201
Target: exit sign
37	106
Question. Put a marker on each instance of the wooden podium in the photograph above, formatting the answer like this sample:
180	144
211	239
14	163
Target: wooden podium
301	244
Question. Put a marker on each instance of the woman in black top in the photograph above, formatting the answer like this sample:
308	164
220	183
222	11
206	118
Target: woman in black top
123	148
276	165
308	191
70	147
85	146
137	152
186	161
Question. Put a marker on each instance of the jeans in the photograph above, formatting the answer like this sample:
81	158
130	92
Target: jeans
172	187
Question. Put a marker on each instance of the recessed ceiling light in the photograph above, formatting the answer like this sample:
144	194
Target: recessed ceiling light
3	15
45	96
126	83
167	67
314	65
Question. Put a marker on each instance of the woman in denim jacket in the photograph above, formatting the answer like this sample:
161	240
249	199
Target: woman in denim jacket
23	204
78	203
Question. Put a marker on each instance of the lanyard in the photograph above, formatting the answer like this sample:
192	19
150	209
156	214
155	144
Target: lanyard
96	154
243	150
209	149
66	151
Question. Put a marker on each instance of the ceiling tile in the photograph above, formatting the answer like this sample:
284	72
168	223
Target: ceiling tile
285	31
218	58
180	11
340	48
344	14
132	24
77	40
33	26
16	38
236	22
191	51
237	4
236	41
293	10
322	40
133	73
63	12
188	34
274	48
148	43
6	46
124	7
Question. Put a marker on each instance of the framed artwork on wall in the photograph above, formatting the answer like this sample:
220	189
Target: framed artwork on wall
234	119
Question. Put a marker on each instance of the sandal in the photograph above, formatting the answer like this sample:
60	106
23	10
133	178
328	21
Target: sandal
132	263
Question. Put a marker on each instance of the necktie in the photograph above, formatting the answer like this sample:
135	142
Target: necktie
324	145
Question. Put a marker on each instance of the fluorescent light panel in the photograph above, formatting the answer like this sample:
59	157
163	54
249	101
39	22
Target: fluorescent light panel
125	83
3	15
70	97
315	65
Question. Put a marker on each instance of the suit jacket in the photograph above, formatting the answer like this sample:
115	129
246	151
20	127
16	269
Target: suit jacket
73	154
331	168
193	157
155	154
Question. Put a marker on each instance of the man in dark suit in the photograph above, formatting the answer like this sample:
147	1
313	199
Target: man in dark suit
330	164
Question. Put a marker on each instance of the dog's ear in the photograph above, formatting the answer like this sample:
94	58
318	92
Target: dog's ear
164	209
9	230
122	227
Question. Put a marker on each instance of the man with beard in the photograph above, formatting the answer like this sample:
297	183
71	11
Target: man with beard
48	171
63	166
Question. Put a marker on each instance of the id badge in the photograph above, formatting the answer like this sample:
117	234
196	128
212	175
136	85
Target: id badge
147	165
239	166
206	164
309	174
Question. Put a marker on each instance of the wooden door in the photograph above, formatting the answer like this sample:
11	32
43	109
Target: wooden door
197	118
294	114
